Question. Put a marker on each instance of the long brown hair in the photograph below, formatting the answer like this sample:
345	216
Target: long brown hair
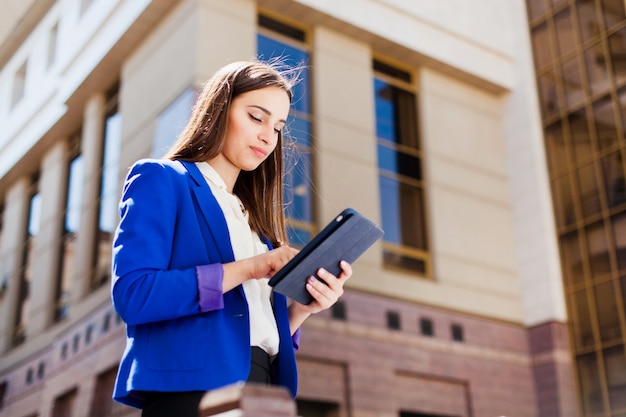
203	138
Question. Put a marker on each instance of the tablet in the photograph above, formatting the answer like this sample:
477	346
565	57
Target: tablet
346	237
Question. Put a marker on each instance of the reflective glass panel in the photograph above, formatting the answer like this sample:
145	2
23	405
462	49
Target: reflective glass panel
606	309
615	369
613	179
571	259
555	148
618	226
612	12
563	202
617	49
579	135
598	251
589	382
548	93
541	45
565	36
596	64
572	83
583	335
604	118
588	188
402	210
587	19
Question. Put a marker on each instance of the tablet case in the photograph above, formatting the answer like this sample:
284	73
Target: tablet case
345	238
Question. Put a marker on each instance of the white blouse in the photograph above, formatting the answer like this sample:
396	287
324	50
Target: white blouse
245	244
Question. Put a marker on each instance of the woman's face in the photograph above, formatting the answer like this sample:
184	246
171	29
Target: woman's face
254	120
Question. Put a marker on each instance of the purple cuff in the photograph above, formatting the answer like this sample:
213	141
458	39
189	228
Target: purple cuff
296	340
210	287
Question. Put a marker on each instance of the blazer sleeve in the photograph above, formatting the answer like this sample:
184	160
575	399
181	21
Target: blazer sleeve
145	287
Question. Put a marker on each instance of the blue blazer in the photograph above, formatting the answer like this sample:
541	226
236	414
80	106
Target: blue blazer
170	223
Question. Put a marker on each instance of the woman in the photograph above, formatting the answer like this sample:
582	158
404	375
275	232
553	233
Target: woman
201	231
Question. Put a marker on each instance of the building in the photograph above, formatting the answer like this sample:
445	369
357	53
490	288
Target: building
423	115
579	64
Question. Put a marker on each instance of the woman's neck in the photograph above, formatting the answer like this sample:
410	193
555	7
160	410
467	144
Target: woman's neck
226	170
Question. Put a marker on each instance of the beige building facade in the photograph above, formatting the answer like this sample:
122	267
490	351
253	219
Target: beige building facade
459	311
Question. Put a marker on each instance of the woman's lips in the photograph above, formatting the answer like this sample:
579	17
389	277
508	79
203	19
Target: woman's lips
260	152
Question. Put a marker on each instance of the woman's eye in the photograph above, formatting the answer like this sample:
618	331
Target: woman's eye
256	119
277	130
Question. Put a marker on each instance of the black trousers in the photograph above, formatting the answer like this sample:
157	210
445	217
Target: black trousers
185	404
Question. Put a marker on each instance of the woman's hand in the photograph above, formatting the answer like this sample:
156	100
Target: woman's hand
324	294
264	265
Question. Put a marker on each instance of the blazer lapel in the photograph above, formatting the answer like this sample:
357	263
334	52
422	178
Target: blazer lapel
211	212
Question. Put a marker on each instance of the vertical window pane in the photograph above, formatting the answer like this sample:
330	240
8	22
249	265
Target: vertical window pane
555	147
580	137
615	369
536	8
589	382
171	122
597	246
572	83
571	259
613	176
19	84
604	117
403	217
583	335
297	181
72	224
110	168
563	200
606	307
564	32
596	65
541	45
548	94
618	223
587	20
617	49
612	12
588	189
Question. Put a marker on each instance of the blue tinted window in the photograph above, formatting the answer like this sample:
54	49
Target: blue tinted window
74	195
110	166
399	161
34	215
297	191
297	159
268	48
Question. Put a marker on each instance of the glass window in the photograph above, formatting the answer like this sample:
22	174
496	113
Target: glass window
550	103
400	177
571	259
536	8
297	192
618	226
52	44
589	382
613	12
541	43
108	218
71	223
171	122
572	83
617	50
595	63
604	118
19	84
555	148
615	370
23	301
579	135
589	191
606	307
565	37
581	320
